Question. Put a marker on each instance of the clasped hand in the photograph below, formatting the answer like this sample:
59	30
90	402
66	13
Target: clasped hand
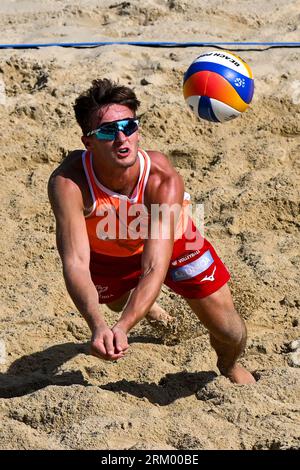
109	344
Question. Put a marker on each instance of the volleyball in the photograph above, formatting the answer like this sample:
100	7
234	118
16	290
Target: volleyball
218	86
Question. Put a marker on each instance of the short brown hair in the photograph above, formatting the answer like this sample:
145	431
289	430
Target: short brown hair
102	92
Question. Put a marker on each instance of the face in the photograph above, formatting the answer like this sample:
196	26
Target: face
120	152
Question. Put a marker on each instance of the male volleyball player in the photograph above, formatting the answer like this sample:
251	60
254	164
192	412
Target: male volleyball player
118	248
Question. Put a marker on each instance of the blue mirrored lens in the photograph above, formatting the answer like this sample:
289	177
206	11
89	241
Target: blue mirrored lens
106	134
110	131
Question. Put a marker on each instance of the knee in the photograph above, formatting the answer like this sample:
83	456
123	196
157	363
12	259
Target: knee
232	330
119	304
115	307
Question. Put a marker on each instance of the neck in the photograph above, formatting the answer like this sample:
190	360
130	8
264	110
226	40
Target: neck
119	180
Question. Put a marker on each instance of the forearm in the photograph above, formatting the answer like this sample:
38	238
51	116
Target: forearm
141	299
84	295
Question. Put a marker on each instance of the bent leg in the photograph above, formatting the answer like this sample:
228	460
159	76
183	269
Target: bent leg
119	304
156	315
227	332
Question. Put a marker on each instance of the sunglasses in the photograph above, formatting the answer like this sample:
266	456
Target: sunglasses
109	130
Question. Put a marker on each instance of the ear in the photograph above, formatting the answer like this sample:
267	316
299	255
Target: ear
86	142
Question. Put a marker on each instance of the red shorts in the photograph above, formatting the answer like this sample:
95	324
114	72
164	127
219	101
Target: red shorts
193	273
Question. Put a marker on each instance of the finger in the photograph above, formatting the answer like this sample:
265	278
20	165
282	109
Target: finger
98	349
109	346
107	357
115	357
120	342
122	348
118	347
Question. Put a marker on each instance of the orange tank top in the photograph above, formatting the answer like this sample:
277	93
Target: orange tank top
118	225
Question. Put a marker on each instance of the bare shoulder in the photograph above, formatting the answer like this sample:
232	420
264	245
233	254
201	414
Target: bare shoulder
66	181
70	164
160	164
164	181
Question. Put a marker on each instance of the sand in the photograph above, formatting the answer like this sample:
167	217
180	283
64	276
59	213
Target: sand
167	393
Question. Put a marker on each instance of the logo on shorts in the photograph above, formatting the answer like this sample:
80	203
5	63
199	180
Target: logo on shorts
101	289
211	277
193	268
185	258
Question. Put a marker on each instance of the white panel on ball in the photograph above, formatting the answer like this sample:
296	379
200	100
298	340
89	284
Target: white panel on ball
222	111
193	103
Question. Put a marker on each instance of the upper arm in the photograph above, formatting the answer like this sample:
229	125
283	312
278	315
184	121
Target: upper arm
165	192
71	234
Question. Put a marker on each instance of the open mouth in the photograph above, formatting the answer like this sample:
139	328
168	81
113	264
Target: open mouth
123	152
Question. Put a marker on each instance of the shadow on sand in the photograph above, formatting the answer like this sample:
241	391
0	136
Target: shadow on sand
170	388
38	370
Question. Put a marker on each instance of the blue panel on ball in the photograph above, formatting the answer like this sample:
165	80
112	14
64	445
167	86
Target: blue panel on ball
243	85
205	110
